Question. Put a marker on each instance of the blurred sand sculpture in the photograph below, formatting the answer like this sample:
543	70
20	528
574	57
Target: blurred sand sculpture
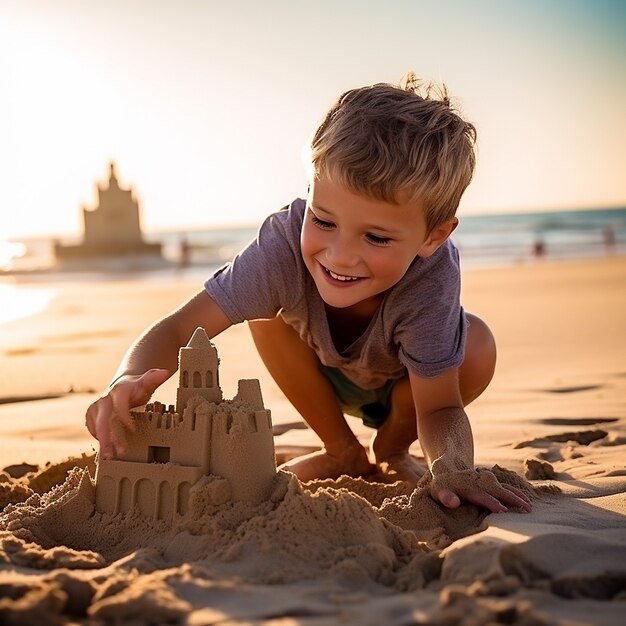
172	448
112	229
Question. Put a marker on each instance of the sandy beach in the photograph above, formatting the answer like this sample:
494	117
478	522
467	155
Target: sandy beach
342	552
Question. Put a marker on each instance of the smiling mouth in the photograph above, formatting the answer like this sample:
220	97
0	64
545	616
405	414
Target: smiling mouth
341	277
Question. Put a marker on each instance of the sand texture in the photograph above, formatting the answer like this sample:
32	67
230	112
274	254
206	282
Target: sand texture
328	552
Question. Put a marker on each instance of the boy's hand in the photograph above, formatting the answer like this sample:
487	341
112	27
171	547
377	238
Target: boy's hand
108	418
479	487
351	460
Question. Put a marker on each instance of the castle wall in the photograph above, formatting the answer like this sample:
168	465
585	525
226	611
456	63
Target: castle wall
162	437
242	451
156	490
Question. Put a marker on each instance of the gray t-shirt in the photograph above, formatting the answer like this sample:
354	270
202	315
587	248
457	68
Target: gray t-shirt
419	325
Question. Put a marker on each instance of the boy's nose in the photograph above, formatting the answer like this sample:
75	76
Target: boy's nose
342	255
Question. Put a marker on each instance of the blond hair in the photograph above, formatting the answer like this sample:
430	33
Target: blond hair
390	142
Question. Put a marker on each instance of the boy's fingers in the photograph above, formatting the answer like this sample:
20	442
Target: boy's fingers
519	493
102	432
487	501
505	495
514	497
154	378
121	401
482	499
449	499
141	391
108	419
484	491
498	502
110	428
118	435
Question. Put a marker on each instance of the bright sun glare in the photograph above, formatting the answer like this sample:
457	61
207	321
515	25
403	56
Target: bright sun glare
10	250
17	302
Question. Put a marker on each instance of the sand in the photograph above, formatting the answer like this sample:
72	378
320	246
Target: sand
329	552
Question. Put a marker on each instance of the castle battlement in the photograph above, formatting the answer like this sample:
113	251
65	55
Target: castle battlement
239	420
172	447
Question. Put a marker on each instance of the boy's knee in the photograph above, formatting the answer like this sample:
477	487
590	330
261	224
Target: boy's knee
480	339
480	358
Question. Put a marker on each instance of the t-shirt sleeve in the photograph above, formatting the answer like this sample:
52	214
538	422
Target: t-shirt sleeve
254	284
431	335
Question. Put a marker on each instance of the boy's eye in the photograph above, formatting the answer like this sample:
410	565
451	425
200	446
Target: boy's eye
379	241
321	223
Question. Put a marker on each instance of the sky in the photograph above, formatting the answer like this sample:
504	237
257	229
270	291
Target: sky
205	105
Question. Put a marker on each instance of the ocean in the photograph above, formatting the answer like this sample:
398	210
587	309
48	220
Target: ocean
483	241
520	238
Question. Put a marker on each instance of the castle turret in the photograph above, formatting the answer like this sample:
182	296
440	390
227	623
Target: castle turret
198	371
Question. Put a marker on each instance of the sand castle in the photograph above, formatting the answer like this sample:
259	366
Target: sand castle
203	435
112	229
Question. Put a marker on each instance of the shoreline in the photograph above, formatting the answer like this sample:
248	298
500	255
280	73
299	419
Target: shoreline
470	260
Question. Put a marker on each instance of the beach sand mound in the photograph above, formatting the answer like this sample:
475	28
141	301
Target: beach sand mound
325	552
308	529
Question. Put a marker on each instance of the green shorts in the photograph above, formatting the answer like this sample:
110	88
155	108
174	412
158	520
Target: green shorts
370	405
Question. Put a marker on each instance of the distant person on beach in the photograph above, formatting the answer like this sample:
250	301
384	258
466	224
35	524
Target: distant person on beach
184	257
608	236
539	248
353	300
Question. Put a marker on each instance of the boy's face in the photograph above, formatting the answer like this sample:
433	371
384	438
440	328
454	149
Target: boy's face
356	247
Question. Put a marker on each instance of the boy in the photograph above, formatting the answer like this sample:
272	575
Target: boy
353	302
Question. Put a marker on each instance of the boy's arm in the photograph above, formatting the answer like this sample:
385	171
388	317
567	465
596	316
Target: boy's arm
158	345
446	439
148	363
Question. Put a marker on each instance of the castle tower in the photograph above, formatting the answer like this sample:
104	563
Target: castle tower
242	445
198	371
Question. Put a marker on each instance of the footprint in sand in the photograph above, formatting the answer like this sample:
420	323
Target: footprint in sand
573	389
582	437
577	421
540	467
561	446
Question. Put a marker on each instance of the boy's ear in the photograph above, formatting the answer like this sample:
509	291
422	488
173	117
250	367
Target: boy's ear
437	237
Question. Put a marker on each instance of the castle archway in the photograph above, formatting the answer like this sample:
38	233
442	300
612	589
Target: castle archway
145	496
165	507
183	498
125	495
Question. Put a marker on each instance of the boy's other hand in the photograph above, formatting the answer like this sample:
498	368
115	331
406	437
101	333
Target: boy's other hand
352	460
479	487
108	418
